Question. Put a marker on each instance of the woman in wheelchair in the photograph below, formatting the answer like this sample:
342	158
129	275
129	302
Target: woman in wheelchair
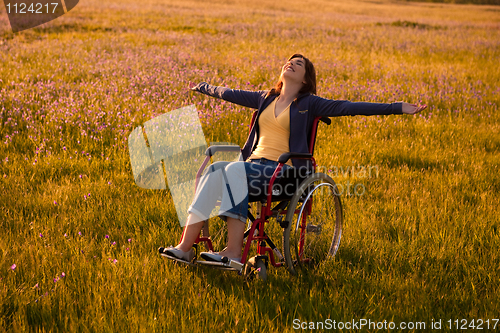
285	115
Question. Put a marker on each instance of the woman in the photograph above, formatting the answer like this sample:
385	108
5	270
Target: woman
284	120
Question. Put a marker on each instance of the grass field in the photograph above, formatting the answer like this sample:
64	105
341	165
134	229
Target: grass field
79	238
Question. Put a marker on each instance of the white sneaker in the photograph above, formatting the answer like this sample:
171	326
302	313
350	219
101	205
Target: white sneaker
178	254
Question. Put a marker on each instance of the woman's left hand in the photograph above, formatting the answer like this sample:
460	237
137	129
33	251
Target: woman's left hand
413	108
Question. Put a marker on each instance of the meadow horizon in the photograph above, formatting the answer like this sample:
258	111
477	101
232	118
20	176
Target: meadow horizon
78	251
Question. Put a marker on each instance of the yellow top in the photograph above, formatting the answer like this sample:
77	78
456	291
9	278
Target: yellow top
274	134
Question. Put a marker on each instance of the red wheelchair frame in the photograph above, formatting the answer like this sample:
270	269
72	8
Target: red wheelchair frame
266	249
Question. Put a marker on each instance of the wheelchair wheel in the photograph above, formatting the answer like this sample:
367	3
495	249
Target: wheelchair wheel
256	267
314	219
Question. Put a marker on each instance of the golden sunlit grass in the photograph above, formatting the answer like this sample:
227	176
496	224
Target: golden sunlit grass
419	244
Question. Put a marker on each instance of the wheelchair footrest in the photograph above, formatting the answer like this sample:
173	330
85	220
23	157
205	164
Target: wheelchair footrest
231	265
178	260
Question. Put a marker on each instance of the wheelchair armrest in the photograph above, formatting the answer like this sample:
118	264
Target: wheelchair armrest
213	149
326	120
286	156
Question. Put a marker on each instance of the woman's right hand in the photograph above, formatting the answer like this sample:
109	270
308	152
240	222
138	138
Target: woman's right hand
412	108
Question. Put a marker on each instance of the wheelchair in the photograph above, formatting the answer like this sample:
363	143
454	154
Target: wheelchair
306	218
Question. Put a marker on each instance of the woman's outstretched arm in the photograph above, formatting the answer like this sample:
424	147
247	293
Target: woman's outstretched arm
334	108
251	99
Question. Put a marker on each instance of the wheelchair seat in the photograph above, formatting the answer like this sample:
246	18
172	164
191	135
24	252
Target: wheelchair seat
284	187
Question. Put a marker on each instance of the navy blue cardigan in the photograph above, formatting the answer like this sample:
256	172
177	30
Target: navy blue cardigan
303	110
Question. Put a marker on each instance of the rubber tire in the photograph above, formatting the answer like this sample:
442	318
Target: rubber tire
290	236
263	269
253	264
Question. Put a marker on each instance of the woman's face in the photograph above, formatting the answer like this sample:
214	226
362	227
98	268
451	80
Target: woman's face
294	69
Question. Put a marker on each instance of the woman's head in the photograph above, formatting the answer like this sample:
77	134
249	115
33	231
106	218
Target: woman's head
297	64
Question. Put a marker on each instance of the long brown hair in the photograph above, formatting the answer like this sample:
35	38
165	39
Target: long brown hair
310	78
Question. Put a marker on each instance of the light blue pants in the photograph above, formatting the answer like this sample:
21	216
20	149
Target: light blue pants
231	183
